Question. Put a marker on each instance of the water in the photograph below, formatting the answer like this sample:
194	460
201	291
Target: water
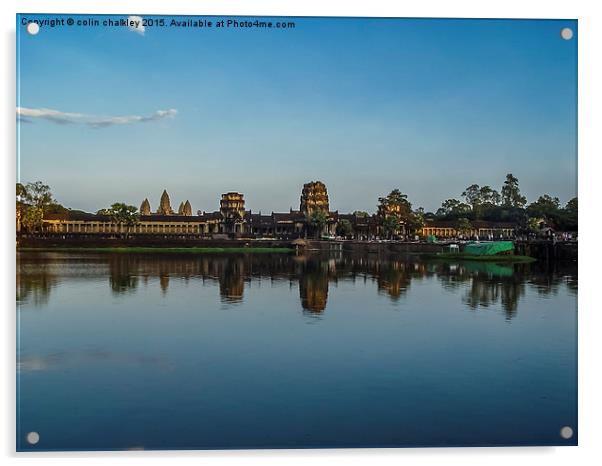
131	351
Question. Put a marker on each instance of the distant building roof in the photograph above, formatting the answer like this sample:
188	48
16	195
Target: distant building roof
86	216
76	215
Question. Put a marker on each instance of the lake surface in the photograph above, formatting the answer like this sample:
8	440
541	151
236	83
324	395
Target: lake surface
165	351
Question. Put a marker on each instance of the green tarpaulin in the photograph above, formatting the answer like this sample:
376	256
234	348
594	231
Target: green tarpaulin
489	268
489	248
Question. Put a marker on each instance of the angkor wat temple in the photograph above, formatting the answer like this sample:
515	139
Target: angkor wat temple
233	220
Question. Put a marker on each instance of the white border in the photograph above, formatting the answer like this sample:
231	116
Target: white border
590	80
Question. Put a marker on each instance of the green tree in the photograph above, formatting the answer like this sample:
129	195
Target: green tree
489	197
391	225
463	226
38	194
511	196
417	218
394	211
21	205
569	216
344	228
453	208
472	195
21	192
32	218
548	208
533	225
481	199
396	202
33	201
318	221
545	206
571	207
123	214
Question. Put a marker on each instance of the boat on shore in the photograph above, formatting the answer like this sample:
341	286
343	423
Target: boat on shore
488	251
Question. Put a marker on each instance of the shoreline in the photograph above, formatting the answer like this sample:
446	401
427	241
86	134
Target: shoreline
443	257
144	249
523	251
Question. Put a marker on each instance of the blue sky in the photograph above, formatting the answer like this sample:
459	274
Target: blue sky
365	105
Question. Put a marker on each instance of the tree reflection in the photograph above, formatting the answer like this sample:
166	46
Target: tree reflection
122	278
487	290
480	284
393	279
34	281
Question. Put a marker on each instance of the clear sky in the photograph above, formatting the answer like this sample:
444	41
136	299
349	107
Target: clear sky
113	114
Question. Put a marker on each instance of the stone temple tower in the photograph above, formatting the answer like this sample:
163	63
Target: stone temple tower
314	196
185	208
232	206
165	205
145	208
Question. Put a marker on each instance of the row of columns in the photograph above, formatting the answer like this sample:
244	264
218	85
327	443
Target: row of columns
452	232
141	228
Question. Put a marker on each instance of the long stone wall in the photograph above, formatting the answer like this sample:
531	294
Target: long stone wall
148	241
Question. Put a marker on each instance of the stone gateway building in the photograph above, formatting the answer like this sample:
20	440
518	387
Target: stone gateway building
233	220
314	197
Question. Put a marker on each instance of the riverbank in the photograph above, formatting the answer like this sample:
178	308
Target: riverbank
160	250
150	244
525	251
545	251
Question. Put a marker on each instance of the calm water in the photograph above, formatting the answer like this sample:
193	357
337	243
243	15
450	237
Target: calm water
128	351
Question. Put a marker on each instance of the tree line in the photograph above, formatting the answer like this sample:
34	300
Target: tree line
396	215
509	205
35	200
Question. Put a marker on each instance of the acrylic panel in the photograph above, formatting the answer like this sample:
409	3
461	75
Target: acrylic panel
262	232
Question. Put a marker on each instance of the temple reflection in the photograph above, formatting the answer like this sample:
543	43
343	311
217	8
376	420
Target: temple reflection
230	275
483	285
313	286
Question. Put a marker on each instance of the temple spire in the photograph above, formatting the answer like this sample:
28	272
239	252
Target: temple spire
165	204
145	208
187	208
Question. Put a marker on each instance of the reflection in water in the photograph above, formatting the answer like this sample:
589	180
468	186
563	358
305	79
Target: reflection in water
34	282
237	363
483	284
230	274
64	360
393	278
120	278
164	283
313	285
